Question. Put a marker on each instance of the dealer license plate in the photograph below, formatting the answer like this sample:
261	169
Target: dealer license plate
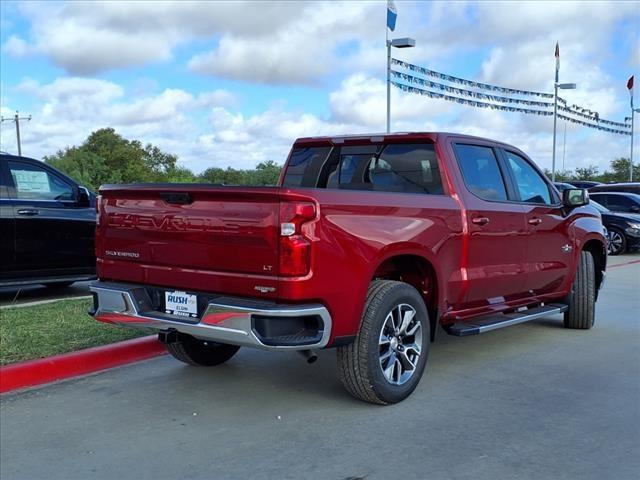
181	303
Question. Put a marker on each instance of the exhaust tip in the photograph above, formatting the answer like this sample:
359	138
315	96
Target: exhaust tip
310	355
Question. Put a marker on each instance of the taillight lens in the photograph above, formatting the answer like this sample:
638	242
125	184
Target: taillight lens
295	249
96	244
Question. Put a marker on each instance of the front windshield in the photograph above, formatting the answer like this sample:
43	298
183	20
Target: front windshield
599	207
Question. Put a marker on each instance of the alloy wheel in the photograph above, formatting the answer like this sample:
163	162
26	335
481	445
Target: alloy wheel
615	242
400	344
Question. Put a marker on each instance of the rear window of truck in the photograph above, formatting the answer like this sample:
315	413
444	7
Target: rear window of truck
404	168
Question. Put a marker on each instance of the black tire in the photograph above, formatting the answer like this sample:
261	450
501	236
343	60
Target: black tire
58	284
360	363
582	298
617	242
200	353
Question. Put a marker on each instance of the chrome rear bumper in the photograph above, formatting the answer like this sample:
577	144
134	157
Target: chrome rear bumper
229	320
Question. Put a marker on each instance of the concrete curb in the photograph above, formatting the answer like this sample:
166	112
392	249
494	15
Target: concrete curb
68	365
41	302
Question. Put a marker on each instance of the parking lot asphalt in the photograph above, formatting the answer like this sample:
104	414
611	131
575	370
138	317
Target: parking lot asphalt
533	401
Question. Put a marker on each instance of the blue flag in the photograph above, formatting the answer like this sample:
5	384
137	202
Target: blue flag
392	14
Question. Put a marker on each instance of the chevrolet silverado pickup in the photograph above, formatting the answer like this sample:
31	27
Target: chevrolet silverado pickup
368	244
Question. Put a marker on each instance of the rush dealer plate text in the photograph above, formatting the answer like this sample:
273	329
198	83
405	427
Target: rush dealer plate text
181	303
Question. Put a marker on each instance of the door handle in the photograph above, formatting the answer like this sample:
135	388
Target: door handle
480	220
535	221
28	212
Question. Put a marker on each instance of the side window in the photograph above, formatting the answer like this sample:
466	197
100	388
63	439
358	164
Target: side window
35	183
529	183
406	168
620	203
601	199
481	173
304	166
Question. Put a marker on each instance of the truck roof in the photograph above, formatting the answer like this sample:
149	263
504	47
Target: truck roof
387	137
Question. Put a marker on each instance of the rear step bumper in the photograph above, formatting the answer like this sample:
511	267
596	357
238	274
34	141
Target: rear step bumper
488	323
231	320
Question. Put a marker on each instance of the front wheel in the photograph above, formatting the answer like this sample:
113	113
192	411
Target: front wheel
201	353
582	298
387	359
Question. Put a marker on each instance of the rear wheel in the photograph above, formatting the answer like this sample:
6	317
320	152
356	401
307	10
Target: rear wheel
617	242
202	353
582	298
387	359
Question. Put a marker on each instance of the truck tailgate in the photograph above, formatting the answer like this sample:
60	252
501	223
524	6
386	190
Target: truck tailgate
187	228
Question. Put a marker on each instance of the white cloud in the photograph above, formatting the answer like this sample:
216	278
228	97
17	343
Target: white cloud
89	37
16	46
315	44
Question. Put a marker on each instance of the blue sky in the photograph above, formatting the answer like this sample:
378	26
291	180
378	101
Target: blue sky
234	83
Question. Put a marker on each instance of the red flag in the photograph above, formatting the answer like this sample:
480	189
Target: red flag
630	83
557	61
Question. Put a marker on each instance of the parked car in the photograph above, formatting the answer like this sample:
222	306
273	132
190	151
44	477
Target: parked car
618	201
368	245
47	225
623	229
583	183
628	187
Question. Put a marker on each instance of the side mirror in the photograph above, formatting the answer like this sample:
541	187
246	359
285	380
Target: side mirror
635	209
575	197
83	198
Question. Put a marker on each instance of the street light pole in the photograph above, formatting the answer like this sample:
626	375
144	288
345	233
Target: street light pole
556	86
398	43
631	157
555	122
388	85
564	145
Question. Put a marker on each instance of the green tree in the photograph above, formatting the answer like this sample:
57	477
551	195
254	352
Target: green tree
85	167
107	157
619	171
265	173
586	173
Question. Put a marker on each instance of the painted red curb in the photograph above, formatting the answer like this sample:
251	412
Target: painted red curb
67	365
623	264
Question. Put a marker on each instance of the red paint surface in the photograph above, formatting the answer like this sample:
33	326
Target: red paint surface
226	241
82	362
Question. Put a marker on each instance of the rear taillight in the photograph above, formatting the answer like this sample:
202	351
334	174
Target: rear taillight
96	244
98	200
295	249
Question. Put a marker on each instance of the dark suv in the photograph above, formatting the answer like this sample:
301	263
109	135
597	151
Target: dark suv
47	225
618	201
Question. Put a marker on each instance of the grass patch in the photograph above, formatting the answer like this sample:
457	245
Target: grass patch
59	327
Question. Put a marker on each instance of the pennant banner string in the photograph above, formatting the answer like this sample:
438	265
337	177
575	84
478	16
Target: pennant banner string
469	83
468	93
492	106
572	110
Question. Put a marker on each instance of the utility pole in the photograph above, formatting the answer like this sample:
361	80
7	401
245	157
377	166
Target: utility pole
16	118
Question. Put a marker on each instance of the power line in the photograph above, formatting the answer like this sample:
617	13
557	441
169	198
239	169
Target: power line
16	118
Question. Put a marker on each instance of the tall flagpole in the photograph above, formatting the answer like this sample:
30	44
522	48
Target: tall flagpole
630	87
555	113
386	29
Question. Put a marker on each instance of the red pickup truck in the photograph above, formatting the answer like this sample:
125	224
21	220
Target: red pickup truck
367	244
